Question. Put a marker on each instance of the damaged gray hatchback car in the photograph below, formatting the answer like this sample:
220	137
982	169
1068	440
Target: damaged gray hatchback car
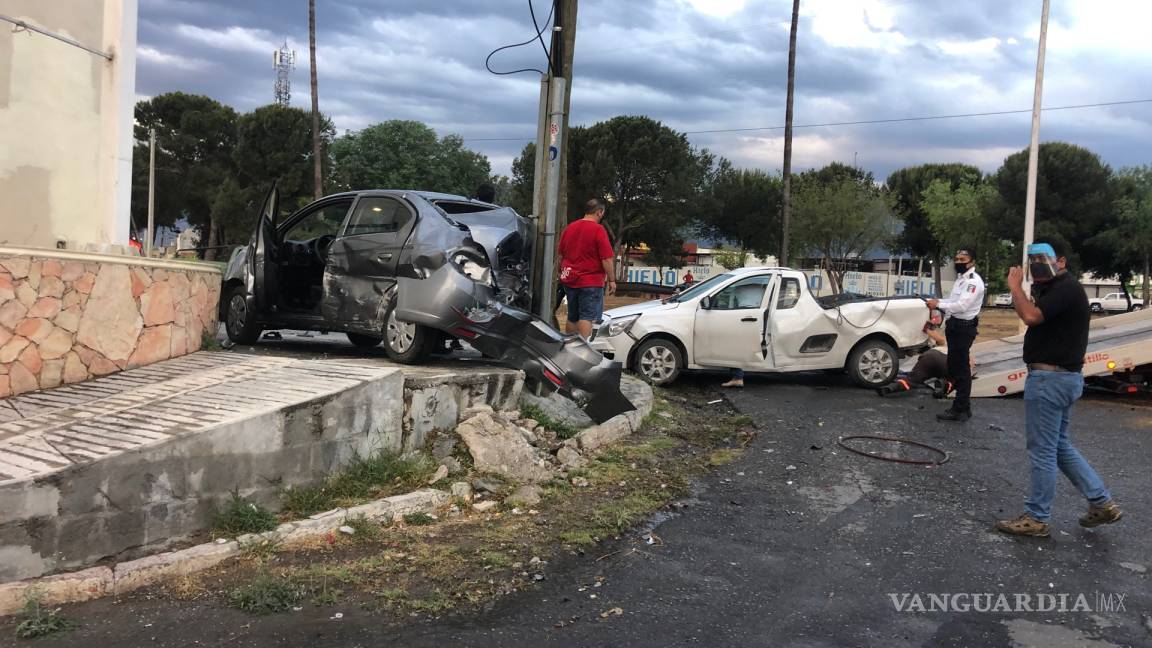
410	269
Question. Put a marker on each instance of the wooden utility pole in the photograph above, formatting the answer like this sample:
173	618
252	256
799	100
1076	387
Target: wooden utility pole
317	159
786	207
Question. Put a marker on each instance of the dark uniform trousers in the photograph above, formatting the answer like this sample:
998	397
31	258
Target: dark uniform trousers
960	334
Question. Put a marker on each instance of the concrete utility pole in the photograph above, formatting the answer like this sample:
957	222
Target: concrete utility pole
317	162
786	206
551	155
151	192
1034	149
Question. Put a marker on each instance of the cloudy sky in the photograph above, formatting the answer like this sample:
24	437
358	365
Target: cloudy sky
696	65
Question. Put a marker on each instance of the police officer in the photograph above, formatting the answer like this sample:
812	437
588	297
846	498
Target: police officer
963	309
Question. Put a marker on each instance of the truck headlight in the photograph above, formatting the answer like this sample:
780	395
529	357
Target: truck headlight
617	326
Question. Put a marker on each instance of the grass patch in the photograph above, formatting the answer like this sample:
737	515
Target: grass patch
495	559
365	478
38	622
266	594
724	456
578	537
418	519
563	430
366	530
242	515
619	514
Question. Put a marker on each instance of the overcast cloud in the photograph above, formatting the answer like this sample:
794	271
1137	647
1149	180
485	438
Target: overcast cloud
694	65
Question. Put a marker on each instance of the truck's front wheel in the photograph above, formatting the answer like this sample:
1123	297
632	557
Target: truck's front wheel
873	364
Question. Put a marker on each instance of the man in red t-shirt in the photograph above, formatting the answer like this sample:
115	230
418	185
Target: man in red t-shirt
585	267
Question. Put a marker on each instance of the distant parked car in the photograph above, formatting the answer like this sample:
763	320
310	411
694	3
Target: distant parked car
1114	302
1003	300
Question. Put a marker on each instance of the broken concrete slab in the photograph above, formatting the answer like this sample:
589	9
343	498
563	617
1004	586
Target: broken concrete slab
497	446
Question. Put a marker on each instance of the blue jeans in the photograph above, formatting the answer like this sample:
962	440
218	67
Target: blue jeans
1048	399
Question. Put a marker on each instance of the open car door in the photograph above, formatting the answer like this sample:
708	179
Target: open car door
265	260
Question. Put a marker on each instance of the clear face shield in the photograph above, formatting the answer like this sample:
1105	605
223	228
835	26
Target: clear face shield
1042	265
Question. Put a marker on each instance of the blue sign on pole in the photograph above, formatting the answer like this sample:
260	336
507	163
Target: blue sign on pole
552	153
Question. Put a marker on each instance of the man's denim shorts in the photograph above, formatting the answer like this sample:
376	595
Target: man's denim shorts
585	303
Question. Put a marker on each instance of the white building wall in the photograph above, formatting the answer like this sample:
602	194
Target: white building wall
66	123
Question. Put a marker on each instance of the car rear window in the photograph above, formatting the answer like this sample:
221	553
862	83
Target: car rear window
449	207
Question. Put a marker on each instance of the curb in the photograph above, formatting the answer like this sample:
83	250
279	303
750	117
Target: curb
620	426
97	582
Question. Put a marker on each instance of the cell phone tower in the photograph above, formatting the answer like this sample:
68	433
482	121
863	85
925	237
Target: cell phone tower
284	61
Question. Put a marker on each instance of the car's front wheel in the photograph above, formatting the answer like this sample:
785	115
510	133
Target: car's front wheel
240	320
873	364
405	342
659	361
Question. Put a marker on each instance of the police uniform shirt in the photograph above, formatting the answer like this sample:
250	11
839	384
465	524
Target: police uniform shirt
966	298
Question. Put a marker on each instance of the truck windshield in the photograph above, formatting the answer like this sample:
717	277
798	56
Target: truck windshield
700	288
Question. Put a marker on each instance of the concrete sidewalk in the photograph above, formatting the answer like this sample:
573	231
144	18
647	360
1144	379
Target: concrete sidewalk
141	459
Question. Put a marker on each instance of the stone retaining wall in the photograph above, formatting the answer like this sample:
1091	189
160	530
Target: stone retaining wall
66	317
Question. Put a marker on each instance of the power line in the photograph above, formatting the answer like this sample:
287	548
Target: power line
537	37
893	120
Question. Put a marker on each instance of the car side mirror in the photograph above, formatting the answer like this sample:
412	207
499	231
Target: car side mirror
706	303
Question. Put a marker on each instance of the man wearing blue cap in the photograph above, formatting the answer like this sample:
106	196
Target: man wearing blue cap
1054	347
963	310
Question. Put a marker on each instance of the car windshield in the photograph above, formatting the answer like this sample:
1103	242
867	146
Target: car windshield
700	288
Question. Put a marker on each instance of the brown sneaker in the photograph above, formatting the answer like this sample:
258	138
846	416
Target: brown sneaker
1025	525
735	382
1098	514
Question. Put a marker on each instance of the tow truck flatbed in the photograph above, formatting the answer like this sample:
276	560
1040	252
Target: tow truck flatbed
1116	344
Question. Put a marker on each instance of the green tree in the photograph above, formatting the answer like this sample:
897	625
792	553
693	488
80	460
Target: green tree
730	259
1130	235
906	188
1073	202
744	209
840	215
195	136
274	144
400	154
523	177
957	216
648	173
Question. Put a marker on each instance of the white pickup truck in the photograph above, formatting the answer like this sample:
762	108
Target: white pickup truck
764	319
1113	302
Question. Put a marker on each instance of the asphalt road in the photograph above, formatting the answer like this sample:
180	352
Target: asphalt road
800	543
810	556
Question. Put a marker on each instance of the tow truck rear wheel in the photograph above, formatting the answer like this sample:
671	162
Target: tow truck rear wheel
873	364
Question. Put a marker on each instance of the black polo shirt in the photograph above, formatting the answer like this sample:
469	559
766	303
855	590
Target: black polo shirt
1062	338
